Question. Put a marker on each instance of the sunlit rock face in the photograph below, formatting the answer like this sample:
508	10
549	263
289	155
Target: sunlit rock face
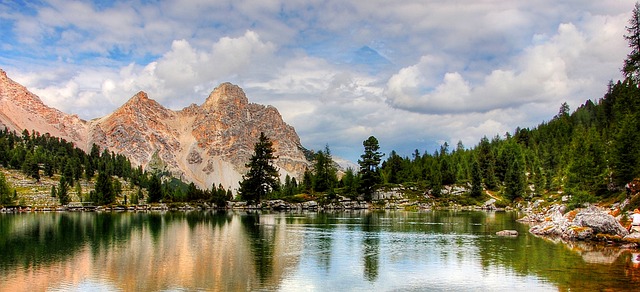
20	109
206	144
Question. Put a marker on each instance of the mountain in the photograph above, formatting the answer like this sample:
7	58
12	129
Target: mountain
21	109
206	144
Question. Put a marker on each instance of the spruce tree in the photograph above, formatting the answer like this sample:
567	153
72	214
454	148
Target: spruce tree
262	176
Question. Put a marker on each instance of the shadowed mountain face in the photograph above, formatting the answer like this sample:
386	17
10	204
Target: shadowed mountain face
206	144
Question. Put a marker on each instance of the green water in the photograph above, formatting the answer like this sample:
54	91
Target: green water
346	251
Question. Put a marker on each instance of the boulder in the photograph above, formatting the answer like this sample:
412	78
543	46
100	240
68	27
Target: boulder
600	222
574	232
310	205
507	233
583	224
489	204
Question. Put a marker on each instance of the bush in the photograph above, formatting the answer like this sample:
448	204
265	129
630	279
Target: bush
579	198
501	204
633	203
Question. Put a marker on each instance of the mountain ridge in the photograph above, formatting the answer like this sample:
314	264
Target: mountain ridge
207	144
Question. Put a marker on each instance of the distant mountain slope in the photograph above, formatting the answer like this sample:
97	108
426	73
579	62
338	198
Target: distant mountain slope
207	144
20	109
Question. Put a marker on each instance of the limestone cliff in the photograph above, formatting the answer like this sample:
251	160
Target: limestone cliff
20	109
207	144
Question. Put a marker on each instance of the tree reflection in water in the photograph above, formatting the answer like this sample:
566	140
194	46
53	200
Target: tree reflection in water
262	242
370	245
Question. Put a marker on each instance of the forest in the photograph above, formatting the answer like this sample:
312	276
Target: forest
38	155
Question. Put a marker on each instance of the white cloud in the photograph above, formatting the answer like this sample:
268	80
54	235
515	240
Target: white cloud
457	70
548	71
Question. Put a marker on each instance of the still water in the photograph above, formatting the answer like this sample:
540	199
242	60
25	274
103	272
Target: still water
346	251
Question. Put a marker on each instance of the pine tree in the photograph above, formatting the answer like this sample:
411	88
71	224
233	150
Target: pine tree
369	171
538	176
307	181
476	179
5	191
587	169
631	67
435	179
30	167
104	189
446	171
625	154
325	172
350	183
515	179
63	191
154	189
487	162
262	177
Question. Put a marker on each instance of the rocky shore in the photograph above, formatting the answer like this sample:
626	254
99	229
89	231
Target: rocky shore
585	224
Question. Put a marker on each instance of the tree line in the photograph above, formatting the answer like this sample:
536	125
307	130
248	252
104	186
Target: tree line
39	156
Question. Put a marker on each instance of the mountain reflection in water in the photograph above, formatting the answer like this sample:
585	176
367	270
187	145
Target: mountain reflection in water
223	251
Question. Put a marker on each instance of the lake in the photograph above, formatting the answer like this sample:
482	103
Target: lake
340	251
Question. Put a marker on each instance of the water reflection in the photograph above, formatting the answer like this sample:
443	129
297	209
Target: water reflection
262	241
370	245
222	251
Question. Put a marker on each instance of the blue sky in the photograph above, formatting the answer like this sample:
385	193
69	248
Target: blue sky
415	74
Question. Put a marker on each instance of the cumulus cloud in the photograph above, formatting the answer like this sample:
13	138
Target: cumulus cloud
181	76
452	70
547	71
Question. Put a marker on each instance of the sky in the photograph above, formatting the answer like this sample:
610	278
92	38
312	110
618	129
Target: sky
414	74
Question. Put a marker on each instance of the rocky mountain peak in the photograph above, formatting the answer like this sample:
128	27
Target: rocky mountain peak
226	94
140	96
208	144
141	104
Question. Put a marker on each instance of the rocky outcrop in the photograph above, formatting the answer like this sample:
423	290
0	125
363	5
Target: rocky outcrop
581	224
206	144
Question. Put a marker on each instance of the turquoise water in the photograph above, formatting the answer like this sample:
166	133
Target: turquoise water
345	251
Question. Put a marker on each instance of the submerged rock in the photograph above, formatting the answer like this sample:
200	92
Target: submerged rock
507	233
